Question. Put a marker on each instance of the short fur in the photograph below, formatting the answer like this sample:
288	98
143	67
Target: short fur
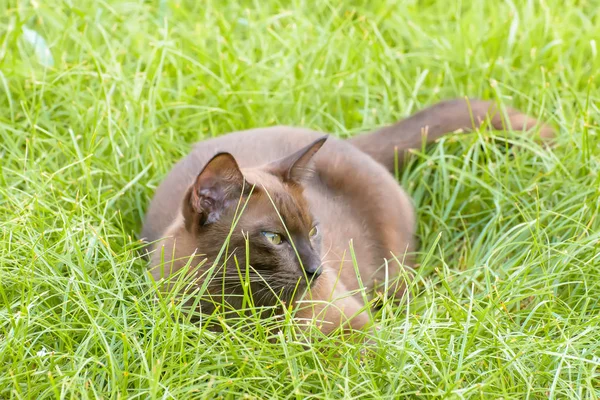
292	174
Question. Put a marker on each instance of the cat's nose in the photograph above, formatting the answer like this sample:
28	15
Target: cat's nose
313	269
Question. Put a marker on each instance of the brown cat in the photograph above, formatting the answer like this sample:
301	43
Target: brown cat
309	202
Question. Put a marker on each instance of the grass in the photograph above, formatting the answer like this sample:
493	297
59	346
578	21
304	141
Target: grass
506	302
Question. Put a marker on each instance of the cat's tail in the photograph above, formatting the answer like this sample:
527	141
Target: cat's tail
459	115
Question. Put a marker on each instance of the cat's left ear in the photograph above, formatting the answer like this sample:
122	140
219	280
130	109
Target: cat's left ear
299	166
216	189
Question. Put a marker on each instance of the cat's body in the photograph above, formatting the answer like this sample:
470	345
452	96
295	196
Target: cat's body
351	196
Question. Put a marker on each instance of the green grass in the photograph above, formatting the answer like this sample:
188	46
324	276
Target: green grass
506	302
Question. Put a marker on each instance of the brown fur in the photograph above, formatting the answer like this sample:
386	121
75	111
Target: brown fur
344	186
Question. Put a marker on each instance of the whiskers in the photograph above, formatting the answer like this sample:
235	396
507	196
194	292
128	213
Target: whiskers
264	287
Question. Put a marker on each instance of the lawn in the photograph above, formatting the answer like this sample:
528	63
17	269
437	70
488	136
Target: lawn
506	302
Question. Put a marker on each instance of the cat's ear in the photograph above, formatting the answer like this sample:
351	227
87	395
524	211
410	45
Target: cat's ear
218	187
299	166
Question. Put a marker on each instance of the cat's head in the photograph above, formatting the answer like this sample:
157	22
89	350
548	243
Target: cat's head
263	216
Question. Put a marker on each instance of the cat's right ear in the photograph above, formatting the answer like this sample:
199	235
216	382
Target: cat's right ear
298	167
217	188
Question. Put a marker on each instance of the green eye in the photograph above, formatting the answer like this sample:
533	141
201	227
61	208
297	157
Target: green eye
273	237
313	232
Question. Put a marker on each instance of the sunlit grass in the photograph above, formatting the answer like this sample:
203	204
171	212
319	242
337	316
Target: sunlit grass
505	302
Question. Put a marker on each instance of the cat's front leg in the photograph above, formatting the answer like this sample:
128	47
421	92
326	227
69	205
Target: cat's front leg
329	305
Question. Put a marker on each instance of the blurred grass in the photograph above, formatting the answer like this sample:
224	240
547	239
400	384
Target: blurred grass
507	300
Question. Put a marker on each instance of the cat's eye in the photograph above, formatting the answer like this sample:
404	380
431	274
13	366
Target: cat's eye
273	237
313	232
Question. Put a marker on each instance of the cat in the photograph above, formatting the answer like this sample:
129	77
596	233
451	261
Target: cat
312	204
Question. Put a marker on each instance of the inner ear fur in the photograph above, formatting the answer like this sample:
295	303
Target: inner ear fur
217	187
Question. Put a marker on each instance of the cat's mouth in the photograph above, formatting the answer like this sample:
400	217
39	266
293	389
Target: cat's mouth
290	285
266	282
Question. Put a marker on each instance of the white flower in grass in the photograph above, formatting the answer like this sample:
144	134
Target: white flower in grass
42	353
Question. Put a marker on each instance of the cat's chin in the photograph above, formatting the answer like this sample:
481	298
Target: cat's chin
299	287
302	285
